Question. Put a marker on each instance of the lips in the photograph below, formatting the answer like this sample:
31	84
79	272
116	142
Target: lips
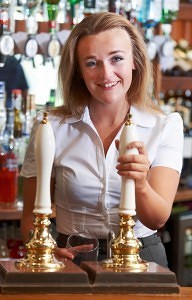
109	84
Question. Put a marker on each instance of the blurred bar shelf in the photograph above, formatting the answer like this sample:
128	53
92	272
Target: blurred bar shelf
183	194
6	214
175	82
11	213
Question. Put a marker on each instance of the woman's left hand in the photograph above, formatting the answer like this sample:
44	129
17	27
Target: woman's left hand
134	166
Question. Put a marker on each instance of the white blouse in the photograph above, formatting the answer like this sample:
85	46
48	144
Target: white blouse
87	186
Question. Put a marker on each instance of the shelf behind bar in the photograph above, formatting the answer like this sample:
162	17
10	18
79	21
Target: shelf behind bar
9	214
15	213
175	82
6	214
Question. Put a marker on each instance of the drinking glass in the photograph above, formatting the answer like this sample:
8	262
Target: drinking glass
82	253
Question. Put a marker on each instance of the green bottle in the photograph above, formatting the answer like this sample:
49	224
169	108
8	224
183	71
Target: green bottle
52	10
170	9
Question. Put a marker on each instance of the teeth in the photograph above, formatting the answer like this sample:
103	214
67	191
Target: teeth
109	84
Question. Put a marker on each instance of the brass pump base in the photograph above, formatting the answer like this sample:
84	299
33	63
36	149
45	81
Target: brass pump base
40	249
125	248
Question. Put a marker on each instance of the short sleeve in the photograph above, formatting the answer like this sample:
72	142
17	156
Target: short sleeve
170	150
29	165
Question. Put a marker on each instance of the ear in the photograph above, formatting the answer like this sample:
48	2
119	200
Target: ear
133	66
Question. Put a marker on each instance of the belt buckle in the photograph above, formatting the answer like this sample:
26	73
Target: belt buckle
141	244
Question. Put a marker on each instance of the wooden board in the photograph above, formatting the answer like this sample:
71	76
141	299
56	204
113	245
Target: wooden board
155	280
70	279
90	277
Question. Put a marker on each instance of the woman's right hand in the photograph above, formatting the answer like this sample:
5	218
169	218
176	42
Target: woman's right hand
70	253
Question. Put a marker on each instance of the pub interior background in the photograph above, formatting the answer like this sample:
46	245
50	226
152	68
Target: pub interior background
33	32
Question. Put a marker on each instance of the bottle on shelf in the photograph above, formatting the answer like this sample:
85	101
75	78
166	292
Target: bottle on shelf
18	115
3	116
14	242
7	42
188	248
52	97
90	7
8	175
4	251
115	6
170	9
54	46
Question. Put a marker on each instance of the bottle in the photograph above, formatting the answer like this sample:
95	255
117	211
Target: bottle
170	9
188	248
143	11
18	115
7	42
90	7
54	46
4	251
52	96
3	116
115	6
8	175
31	45
29	115
75	11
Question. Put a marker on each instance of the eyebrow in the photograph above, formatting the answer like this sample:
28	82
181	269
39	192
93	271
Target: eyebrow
110	53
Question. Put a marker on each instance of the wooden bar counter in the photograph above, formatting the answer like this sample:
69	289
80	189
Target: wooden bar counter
186	293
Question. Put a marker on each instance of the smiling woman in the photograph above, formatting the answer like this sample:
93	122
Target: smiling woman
107	71
104	73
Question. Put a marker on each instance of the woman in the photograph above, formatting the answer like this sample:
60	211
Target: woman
104	73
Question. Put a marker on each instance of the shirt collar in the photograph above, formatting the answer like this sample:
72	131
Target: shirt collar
140	117
85	117
143	118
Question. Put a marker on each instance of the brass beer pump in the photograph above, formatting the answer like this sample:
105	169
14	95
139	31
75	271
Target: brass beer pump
41	246
125	247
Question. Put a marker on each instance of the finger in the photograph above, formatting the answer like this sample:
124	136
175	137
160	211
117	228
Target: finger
139	145
64	253
83	248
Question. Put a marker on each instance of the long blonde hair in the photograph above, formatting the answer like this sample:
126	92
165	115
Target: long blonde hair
73	89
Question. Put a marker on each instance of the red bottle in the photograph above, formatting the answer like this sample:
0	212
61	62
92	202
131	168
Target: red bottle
8	176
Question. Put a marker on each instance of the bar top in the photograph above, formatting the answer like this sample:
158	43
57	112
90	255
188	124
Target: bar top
186	293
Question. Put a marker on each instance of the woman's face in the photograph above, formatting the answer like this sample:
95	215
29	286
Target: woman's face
106	64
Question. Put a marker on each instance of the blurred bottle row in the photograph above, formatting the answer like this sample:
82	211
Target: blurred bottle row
181	101
16	121
30	38
11	245
73	11
15	127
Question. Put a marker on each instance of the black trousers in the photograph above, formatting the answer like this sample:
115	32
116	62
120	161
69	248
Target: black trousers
152	249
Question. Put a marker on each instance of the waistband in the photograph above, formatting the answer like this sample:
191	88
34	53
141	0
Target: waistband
150	240
145	241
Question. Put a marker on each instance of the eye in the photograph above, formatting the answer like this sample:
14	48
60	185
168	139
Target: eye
91	63
117	58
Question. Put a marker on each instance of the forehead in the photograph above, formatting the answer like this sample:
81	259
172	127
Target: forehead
112	38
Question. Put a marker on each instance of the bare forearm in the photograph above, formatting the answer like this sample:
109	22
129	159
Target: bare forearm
152	209
27	219
155	200
26	226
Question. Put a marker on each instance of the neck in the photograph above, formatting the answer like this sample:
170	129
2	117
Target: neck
108	115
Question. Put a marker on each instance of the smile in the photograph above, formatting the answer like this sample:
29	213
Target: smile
110	84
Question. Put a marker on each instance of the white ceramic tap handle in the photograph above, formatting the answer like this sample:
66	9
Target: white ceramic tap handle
44	155
127	201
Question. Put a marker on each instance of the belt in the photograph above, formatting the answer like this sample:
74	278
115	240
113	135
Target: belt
145	241
150	240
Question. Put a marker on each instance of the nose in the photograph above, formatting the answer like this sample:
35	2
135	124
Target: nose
105	70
